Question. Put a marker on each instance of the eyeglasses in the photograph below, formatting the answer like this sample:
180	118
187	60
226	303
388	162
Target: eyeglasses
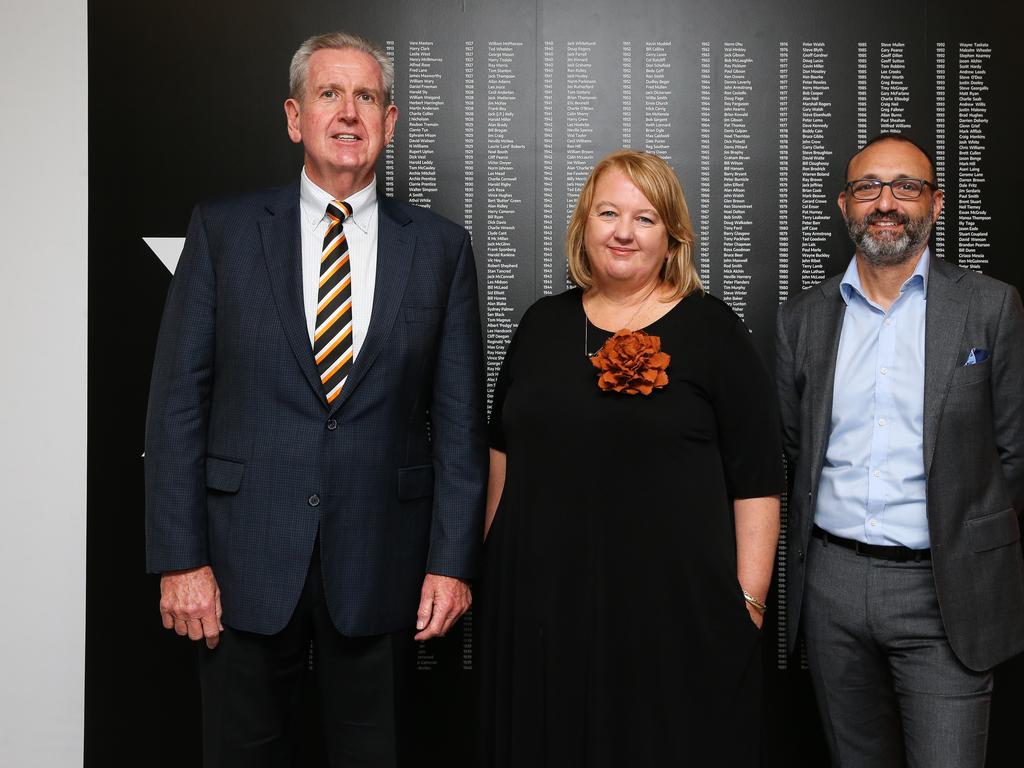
902	189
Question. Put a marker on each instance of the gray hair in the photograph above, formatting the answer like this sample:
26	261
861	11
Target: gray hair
299	68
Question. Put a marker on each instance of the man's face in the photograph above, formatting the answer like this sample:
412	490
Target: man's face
341	120
888	231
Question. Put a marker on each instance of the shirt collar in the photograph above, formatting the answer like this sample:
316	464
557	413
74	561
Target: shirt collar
851	279
313	202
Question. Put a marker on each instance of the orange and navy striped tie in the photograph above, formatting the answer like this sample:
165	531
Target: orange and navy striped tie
332	339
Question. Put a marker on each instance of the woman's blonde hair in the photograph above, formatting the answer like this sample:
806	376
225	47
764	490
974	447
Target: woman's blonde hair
659	184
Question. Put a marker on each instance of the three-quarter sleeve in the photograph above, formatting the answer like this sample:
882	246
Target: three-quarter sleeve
748	417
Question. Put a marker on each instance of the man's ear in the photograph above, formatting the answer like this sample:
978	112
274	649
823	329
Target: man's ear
938	198
390	120
291	112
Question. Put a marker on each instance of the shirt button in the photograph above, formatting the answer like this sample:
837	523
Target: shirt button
884	371
876	473
888	321
314	500
882	422
872	522
332	424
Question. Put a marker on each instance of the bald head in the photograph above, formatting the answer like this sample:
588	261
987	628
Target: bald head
900	138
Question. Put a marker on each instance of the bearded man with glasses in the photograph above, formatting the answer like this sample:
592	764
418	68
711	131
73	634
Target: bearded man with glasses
903	419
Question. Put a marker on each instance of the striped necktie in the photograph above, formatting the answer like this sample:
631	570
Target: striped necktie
332	339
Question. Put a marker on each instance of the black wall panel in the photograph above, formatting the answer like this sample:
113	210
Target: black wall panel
504	107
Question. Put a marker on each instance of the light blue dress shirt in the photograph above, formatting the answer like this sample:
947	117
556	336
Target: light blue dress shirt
872	485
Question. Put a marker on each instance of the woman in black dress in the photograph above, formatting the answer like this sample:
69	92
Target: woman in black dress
633	508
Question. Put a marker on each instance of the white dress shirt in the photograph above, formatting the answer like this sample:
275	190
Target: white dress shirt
361	234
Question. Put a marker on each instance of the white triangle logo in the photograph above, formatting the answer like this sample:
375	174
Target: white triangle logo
167	249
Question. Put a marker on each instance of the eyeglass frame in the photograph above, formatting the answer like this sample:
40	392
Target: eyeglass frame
879	185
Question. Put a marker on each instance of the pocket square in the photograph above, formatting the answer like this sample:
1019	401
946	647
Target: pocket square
976	356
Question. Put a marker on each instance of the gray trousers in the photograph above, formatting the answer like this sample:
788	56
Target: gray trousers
890	691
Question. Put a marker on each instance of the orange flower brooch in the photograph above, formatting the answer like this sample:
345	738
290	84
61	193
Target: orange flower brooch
631	362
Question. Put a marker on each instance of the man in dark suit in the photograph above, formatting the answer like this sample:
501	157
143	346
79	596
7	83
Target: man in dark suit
315	454
903	412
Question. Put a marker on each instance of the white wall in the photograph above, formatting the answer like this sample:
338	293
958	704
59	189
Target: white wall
43	259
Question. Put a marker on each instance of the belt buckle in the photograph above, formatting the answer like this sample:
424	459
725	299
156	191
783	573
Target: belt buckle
862	549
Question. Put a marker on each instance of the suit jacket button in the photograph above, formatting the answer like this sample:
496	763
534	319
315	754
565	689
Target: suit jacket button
800	554
332	424
314	500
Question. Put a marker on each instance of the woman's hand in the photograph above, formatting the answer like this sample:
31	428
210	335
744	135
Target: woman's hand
755	615
757	534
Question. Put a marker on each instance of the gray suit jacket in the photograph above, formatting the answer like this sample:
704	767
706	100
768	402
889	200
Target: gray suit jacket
973	448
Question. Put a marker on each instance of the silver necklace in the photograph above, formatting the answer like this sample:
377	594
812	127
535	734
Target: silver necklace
626	327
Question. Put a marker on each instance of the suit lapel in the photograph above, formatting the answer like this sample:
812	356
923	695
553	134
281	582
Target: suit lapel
825	326
945	320
282	249
395	246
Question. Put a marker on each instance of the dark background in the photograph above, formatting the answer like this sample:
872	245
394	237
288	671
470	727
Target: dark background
185	104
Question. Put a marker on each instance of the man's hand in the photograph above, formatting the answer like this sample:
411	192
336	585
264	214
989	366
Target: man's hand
190	604
443	600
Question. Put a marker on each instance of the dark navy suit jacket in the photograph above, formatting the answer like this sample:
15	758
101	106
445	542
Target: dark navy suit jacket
245	460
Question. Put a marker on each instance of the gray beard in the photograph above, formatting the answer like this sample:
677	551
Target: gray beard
886	251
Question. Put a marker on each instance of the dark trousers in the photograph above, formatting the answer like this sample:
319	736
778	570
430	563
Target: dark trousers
890	690
252	689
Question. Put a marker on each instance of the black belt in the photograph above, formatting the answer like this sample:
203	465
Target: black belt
881	551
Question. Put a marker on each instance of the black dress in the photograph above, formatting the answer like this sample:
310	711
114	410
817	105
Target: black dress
613	631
